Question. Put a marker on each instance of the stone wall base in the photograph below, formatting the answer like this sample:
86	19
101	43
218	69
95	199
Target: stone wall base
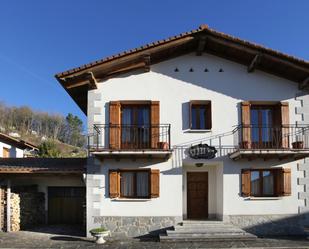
134	226
270	225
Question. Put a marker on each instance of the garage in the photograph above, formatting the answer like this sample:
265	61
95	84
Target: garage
42	192
66	205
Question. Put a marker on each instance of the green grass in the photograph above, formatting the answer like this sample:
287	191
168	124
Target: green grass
98	230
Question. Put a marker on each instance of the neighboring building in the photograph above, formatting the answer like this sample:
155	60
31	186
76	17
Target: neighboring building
14	147
50	191
153	110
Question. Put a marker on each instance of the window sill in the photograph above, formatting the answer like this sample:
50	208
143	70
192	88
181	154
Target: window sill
197	131
131	199
252	198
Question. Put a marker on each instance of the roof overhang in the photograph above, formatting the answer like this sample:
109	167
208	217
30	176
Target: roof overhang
18	143
79	80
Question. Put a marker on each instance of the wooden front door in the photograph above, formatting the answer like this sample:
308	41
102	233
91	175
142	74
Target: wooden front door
65	205
197	195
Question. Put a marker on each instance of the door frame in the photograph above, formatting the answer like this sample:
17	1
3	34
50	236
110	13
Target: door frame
187	193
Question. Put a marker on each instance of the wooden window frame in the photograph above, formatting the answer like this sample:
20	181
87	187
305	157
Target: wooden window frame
273	171
135	171
5	152
208	117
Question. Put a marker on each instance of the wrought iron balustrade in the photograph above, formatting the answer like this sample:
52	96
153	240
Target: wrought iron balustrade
272	137
130	137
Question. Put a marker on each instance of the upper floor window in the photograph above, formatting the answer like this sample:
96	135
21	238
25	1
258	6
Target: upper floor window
200	115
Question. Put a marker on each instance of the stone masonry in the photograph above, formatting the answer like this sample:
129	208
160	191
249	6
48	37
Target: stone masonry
136	226
303	167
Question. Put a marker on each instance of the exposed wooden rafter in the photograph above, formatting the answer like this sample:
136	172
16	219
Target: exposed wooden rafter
304	84
254	63
201	45
80	80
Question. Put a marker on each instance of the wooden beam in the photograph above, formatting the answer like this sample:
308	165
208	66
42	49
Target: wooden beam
201	45
304	84
80	80
254	63
8	206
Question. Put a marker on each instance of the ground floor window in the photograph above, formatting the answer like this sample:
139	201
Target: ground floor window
266	182
134	184
262	183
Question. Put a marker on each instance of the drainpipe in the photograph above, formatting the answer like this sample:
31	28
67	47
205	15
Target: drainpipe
8	206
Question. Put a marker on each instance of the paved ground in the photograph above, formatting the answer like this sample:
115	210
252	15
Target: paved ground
43	238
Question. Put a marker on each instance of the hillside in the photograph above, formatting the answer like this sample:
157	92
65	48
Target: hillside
64	133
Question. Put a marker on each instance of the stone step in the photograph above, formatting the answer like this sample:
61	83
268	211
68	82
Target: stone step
207	231
202	222
170	232
203	226
206	237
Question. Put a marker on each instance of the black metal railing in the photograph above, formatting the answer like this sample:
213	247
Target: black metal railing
130	137
272	137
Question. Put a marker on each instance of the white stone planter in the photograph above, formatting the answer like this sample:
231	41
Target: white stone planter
99	236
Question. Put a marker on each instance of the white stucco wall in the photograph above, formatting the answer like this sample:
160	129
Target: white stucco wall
174	90
14	152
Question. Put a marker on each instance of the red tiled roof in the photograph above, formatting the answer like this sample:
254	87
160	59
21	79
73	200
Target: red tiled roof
202	28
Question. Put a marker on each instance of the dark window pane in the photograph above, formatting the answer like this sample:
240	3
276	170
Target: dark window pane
126	184
203	117
255	183
142	184
193	118
268	183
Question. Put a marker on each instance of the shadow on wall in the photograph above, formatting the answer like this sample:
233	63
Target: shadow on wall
272	225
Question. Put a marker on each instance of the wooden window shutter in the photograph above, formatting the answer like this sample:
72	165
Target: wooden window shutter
286	177
245	182
246	129
114	124
285	120
114	184
155	183
155	122
283	182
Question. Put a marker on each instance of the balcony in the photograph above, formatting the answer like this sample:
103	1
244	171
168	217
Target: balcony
130	140
290	142
269	142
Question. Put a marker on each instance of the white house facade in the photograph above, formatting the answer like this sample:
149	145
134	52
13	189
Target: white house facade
200	126
11	147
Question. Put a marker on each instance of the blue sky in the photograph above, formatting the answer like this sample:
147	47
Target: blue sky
40	38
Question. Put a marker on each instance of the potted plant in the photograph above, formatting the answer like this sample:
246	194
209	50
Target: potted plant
298	144
99	234
163	145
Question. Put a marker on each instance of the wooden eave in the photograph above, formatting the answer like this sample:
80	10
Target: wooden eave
199	41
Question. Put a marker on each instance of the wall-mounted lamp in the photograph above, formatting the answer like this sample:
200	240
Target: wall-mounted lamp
199	165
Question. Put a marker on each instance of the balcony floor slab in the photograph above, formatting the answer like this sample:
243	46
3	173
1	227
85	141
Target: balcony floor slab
280	154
